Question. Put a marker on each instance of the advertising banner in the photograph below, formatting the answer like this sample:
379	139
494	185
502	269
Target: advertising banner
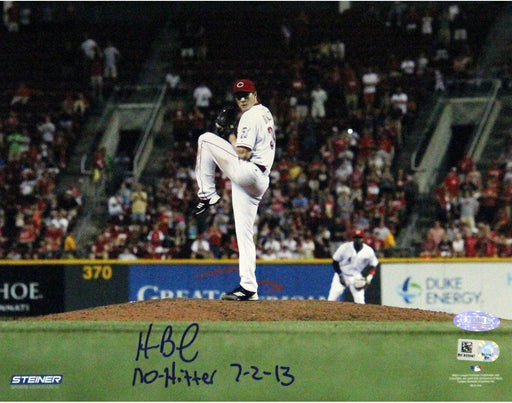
276	281
31	290
449	287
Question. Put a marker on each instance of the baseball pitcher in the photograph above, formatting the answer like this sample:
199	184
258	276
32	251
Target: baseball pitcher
246	158
350	261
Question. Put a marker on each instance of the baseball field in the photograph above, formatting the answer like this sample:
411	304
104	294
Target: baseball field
205	350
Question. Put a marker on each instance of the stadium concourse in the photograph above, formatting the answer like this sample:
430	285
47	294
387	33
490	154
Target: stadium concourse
334	171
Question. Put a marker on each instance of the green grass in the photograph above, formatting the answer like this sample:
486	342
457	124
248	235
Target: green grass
370	361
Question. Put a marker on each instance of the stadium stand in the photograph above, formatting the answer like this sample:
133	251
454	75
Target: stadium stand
44	105
321	180
359	174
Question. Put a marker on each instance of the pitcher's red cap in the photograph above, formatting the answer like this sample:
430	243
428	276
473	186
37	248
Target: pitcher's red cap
358	233
243	85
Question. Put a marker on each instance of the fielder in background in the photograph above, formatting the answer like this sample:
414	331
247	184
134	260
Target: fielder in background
350	262
246	158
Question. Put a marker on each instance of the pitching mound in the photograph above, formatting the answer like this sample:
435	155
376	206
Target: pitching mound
191	310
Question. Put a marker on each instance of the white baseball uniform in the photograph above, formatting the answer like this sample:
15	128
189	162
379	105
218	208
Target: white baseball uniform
249	182
351	264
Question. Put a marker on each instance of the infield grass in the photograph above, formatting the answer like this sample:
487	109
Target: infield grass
257	361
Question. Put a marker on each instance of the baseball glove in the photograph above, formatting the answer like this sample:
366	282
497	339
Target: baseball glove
360	283
226	121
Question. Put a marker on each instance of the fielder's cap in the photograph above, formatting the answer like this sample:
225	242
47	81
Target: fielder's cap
358	233
243	85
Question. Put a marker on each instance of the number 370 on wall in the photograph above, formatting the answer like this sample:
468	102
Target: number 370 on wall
97	272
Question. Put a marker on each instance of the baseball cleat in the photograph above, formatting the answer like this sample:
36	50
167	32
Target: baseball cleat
203	205
240	294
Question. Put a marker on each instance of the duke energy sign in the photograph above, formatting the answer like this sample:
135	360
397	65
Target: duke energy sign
449	287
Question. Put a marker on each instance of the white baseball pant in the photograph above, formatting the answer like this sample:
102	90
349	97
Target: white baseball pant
337	289
249	184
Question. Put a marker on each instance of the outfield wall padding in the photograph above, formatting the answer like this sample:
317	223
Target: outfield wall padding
446	285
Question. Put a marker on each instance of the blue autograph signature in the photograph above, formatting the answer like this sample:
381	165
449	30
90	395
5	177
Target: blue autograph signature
180	348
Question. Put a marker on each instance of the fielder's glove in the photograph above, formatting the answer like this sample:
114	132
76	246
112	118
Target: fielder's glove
225	122
360	283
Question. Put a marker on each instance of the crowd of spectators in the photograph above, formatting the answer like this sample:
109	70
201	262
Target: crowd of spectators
341	125
341	115
37	132
41	121
474	214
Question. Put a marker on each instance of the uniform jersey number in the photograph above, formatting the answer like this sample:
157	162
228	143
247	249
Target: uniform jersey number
270	130
96	272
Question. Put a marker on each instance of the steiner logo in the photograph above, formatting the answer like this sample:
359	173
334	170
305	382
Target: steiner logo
36	379
409	290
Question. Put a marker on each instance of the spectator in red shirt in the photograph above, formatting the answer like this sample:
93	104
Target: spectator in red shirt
341	147
396	207
27	235
214	236
372	188
452	183
494	174
471	243
351	87
155	237
101	248
357	176
474	179
179	119
488	203
366	144
22	95
385	143
444	203
466	165
53	237
231	247
489	240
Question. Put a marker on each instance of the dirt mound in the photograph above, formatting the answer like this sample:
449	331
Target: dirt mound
189	310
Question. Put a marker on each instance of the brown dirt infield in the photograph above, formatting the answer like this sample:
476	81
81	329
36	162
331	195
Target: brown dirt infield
188	309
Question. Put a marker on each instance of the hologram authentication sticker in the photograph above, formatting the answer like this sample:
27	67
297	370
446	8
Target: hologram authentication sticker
476	321
477	350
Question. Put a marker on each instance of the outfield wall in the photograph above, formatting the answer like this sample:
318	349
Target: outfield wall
451	285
